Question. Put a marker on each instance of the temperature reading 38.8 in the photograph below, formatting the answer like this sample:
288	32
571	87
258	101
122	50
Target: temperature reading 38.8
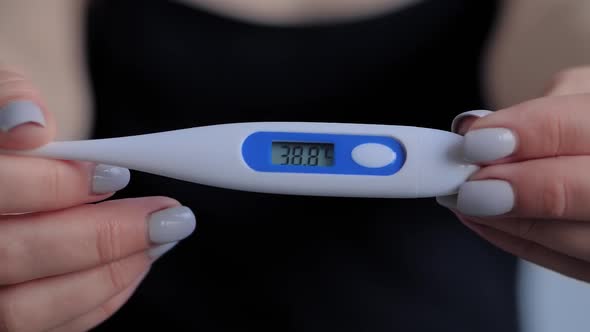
302	154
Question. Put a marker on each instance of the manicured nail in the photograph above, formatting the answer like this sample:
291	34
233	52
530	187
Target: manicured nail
20	112
450	202
158	251
171	225
108	179
488	144
485	198
456	125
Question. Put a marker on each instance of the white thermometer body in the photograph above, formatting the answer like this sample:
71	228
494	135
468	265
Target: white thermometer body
295	158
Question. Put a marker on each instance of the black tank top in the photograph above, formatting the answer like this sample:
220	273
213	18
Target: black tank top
263	262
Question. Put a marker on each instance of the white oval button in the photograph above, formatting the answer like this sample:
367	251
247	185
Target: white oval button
373	155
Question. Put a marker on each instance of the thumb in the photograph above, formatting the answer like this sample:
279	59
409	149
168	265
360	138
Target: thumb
24	121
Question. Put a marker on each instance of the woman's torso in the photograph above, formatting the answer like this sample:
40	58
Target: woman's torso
274	263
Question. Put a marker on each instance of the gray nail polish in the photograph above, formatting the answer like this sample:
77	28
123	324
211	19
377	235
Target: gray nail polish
108	179
158	251
450	202
20	112
459	118
488	144
485	198
171	225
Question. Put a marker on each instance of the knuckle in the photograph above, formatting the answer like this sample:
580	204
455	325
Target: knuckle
554	127
120	274
10	77
116	273
563	132
554	199
108	246
50	182
17	89
9	71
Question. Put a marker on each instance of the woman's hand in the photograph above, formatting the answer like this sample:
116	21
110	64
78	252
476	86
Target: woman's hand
532	195
65	264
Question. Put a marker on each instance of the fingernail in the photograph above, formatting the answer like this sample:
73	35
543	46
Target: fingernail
450	202
485	198
488	144
456	125
108	179
20	112
158	251
171	225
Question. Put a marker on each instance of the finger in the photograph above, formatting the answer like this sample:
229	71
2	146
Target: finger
462	122
564	236
552	188
460	125
533	252
98	315
43	245
24	120
546	127
60	299
571	81
104	311
33	185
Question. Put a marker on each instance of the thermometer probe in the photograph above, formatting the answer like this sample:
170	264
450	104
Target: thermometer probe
294	158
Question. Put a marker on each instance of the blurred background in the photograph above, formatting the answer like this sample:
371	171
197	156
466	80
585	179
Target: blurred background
550	302
537	39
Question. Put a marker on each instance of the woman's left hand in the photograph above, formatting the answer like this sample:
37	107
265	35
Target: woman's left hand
532	195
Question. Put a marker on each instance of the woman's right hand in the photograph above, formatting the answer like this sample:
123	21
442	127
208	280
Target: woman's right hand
65	264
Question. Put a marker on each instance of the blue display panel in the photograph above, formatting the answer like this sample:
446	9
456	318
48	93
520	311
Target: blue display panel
283	152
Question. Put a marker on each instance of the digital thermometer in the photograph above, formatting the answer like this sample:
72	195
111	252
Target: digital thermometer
296	158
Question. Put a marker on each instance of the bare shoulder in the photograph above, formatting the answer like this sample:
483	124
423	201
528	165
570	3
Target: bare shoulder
43	39
533	41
